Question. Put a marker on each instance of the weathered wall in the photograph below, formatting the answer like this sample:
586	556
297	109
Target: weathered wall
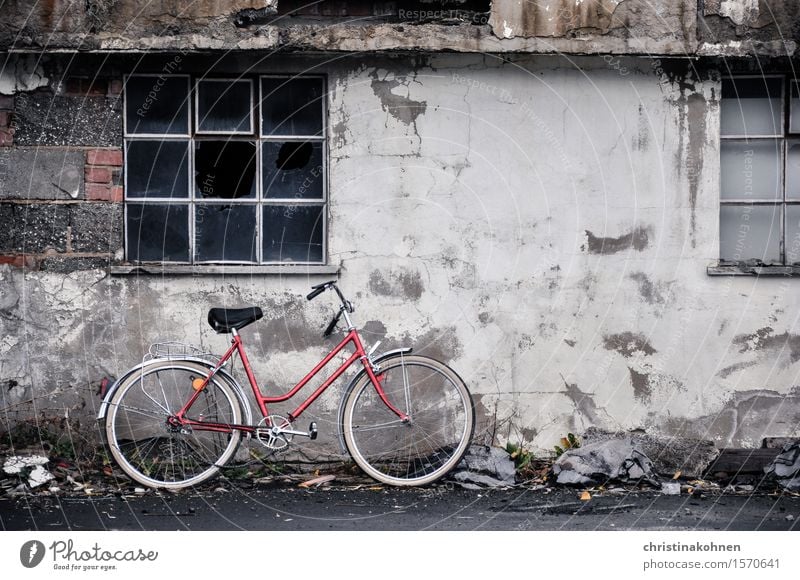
542	224
673	27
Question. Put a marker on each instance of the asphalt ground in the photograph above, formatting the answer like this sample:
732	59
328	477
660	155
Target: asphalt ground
283	505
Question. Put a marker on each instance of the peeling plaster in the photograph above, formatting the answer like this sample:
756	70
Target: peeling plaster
638	240
641	385
765	339
22	73
628	344
740	12
652	293
400	106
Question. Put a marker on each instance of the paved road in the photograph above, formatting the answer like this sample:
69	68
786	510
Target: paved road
287	507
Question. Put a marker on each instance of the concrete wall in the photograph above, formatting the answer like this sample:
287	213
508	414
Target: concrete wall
543	224
667	27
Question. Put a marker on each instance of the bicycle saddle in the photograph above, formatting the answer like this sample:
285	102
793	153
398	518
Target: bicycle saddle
224	320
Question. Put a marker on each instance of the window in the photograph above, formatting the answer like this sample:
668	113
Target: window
760	171
225	170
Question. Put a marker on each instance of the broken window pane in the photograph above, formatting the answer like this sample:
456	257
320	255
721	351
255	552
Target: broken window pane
225	233
292	169
750	232
157	169
794	108
157	105
291	107
751	107
293	233
157	232
225	169
224	106
750	170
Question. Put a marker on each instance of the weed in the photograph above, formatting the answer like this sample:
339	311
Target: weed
568	442
522	457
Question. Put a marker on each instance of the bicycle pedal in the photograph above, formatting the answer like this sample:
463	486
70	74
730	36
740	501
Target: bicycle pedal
312	431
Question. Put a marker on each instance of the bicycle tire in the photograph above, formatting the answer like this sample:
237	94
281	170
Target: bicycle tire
427	447
156	455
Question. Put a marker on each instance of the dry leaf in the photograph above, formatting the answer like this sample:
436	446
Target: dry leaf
586	496
677	475
317	481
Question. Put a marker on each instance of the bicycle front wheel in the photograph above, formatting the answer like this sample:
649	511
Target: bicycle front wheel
431	443
153	452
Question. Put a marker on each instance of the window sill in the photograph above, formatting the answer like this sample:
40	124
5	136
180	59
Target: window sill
224	270
747	270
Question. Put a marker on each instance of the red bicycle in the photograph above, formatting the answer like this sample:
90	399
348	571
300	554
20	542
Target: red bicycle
173	422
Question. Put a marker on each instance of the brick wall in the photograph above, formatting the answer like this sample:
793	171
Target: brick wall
61	176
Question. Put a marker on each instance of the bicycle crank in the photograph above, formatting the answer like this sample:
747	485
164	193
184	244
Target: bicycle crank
275	432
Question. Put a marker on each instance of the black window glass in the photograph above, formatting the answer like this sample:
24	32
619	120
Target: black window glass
293	233
157	105
225	232
224	106
157	169
291	106
225	169
292	169
158	232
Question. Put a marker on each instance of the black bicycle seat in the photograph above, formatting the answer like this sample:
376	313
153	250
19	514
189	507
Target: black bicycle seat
224	320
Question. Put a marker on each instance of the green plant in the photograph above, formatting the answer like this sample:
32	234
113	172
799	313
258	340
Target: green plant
522	456
568	442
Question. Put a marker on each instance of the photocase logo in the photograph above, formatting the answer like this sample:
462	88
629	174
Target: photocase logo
31	553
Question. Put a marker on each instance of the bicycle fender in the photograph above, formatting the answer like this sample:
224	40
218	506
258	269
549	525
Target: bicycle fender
351	385
225	375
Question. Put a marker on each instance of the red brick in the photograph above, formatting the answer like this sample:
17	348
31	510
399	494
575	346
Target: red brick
98	174
86	87
5	117
115	87
6	102
103	192
6	137
18	261
111	157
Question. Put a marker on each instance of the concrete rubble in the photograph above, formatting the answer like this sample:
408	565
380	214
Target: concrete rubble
690	456
600	462
785	468
485	466
32	468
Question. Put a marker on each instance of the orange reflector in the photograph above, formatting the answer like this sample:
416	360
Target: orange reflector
198	384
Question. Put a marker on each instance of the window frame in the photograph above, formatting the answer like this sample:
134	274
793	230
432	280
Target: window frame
750	266
259	202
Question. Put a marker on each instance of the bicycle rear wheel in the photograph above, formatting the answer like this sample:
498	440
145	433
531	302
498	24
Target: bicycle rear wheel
442	421
152	452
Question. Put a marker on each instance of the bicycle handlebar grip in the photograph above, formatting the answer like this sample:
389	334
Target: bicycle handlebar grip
316	292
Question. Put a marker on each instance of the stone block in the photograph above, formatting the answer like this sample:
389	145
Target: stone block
33	228
96	227
66	263
41	173
43	118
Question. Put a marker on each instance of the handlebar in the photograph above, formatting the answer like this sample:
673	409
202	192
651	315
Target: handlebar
346	306
320	288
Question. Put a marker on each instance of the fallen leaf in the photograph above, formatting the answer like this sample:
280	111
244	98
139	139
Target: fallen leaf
677	475
317	481
586	496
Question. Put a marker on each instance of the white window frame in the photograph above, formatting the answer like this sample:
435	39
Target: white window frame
260	201
784	138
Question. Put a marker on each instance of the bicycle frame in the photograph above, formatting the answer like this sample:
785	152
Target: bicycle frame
237	346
